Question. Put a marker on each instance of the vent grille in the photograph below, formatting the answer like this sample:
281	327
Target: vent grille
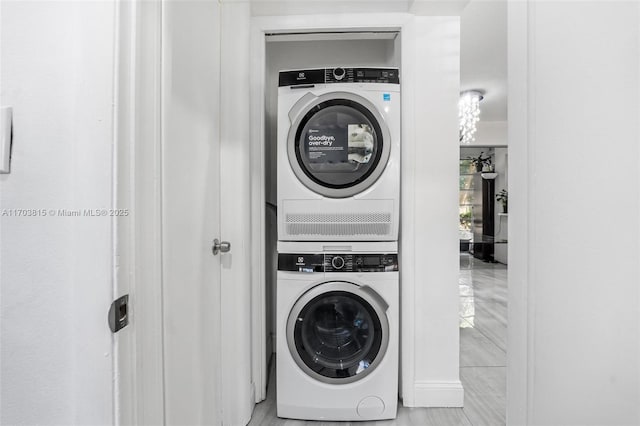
337	224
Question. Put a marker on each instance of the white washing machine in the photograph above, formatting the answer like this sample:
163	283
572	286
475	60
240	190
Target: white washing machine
337	331
338	154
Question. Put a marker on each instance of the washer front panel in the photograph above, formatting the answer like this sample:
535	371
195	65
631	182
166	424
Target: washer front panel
338	144
338	332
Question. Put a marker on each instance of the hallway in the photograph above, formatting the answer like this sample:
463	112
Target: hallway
483	335
483	340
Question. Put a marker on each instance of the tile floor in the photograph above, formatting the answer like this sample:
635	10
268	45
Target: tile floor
483	335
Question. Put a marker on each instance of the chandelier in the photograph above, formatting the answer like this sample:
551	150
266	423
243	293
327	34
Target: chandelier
469	115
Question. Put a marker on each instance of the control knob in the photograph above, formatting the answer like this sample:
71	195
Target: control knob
337	262
339	73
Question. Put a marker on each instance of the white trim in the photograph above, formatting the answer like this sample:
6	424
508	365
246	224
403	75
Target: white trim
123	359
123	353
438	394
148	219
258	214
138	375
343	22
529	191
520	372
407	220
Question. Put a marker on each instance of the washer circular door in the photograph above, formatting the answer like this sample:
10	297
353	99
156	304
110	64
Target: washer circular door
338	144
338	332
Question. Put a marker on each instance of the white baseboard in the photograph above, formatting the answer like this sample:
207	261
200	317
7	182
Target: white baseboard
439	394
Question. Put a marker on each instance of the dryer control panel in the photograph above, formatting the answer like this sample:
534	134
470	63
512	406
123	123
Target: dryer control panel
338	75
338	262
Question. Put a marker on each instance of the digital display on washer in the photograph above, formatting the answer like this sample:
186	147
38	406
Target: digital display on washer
371	261
376	263
377	75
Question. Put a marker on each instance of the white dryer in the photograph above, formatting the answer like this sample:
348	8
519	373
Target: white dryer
337	331
338	154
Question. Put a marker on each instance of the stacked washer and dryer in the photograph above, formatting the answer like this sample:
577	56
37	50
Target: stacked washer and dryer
338	214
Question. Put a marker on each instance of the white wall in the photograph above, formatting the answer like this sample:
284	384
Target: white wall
56	272
429	234
490	133
574	109
483	62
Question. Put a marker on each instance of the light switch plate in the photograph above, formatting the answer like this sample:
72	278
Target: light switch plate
6	115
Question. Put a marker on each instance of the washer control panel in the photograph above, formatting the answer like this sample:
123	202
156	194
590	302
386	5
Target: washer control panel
361	75
310	77
338	262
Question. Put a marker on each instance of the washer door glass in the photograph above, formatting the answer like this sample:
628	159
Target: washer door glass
339	145
338	336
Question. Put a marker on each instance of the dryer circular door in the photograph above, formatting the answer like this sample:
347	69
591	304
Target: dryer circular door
338	332
338	144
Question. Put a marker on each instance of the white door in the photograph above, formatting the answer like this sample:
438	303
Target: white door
190	211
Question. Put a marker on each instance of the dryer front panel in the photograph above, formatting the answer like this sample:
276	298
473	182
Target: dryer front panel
338	332
338	144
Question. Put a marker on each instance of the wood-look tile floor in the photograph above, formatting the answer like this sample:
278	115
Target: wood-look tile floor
483	335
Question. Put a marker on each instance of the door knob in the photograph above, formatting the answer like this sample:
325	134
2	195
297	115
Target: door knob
220	246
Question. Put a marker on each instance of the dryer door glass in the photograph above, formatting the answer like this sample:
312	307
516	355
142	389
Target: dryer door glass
338	143
338	335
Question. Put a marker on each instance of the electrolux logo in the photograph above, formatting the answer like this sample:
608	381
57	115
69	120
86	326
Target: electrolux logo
301	76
